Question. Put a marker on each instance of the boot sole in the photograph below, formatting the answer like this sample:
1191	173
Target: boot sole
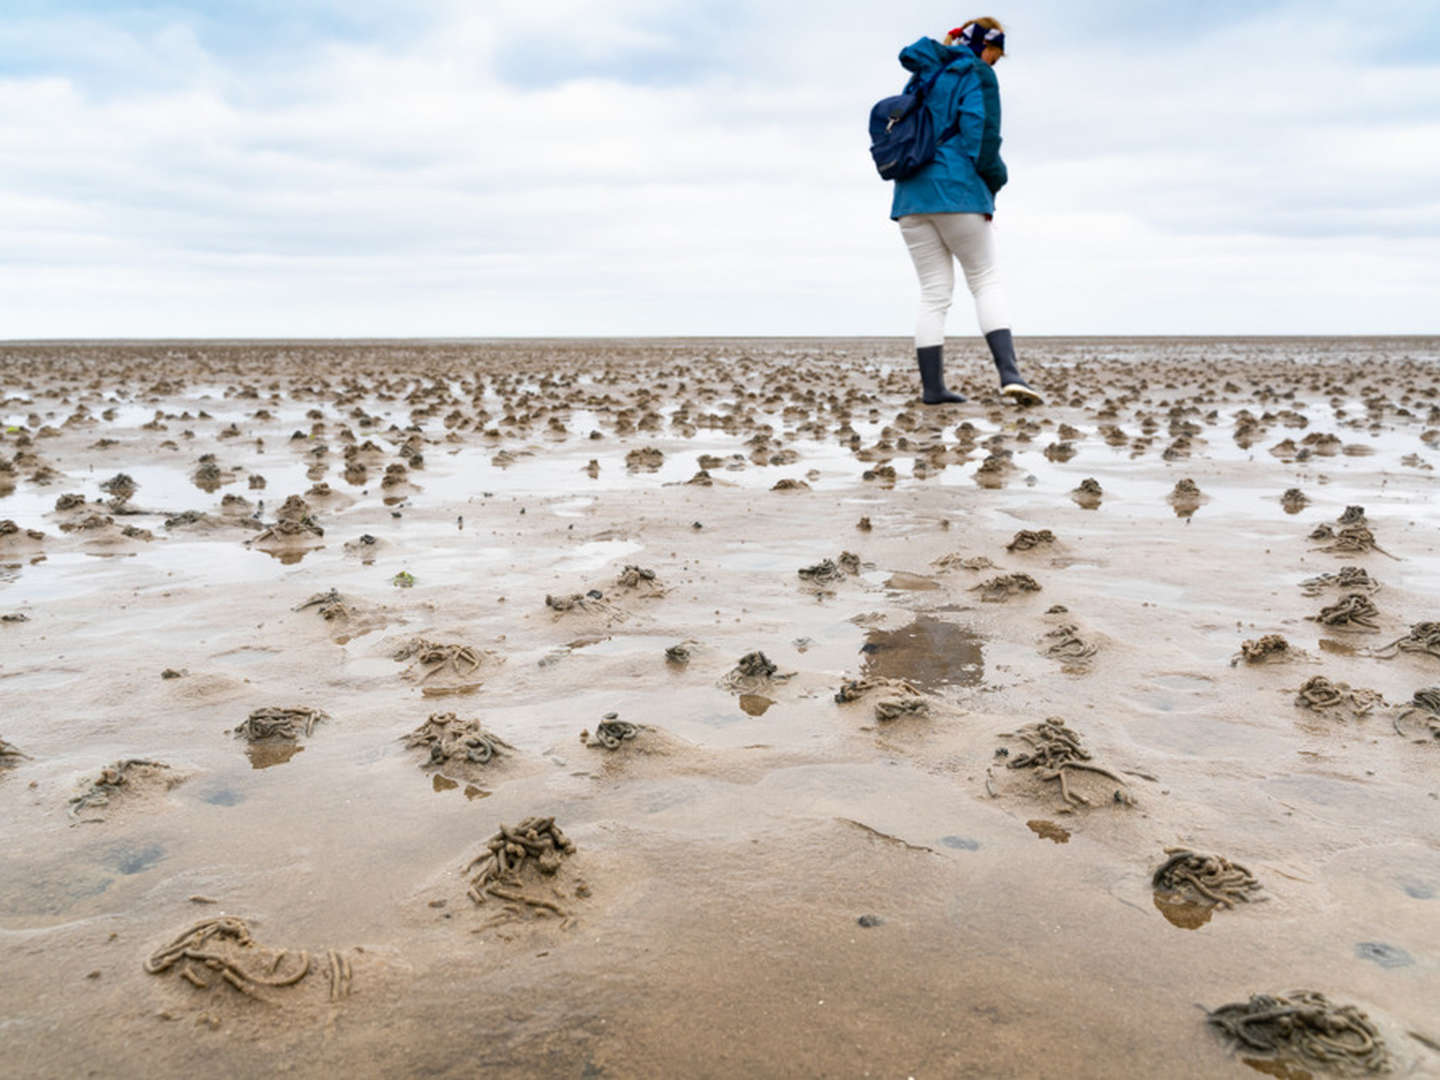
1022	395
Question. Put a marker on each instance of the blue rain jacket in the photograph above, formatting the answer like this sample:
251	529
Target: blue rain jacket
967	169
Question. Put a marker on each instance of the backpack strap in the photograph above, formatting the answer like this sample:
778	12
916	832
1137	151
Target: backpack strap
923	91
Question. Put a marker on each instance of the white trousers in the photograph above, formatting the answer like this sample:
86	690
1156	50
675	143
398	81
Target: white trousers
935	242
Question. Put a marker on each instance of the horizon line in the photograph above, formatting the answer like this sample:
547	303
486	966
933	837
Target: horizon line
502	338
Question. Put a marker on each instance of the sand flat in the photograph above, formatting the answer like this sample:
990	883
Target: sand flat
709	928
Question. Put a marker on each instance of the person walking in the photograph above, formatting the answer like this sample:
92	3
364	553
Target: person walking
946	210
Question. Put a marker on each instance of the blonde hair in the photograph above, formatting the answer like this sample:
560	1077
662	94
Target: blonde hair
985	20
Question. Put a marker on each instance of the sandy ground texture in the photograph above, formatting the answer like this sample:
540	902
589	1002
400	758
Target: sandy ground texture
715	709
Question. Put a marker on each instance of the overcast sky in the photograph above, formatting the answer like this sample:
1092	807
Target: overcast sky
480	168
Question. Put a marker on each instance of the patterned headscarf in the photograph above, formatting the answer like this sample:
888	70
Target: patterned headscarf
975	37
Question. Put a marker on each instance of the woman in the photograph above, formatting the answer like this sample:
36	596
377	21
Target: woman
946	210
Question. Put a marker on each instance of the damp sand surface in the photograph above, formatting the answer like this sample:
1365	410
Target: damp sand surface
725	855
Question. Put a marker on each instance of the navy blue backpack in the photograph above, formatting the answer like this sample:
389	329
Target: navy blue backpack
902	135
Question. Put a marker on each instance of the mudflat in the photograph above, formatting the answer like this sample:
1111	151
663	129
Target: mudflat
713	708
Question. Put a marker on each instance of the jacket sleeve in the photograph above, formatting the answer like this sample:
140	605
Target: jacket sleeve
988	162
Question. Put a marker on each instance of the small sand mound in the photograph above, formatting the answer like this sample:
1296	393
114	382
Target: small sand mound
640	580
611	733
295	523
753	672
855	689
274	722
1305	1028
1186	498
89	523
1209	880
830	571
893	708
1027	540
347	617
287	531
330	605
223	946
1347	578
1424	709
1270	649
120	487
12	536
1320	695
448	739
1294	500
591	602
1353	539
1002	588
964	562
1351	612
894	698
1065	643
199	521
680	652
1088	493
10	755
126	777
995	469
644	459
208	476
536	842
1424	637
1055	748
444	664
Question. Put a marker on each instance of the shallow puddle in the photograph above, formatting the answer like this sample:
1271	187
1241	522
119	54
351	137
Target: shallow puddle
755	704
263	755
960	843
1282	1070
910	582
1048	830
1182	913
928	652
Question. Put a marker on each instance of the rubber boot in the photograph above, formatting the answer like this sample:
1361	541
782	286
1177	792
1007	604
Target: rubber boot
932	379
1002	348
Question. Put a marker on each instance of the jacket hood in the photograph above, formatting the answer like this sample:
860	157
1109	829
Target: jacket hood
927	54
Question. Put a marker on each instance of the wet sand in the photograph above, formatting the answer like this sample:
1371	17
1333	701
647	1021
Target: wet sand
475	508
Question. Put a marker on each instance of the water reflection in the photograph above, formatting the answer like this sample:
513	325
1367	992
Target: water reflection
1183	913
1048	830
911	582
1282	1069
440	783
290	556
271	752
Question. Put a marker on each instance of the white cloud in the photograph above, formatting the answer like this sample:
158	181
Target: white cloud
416	186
